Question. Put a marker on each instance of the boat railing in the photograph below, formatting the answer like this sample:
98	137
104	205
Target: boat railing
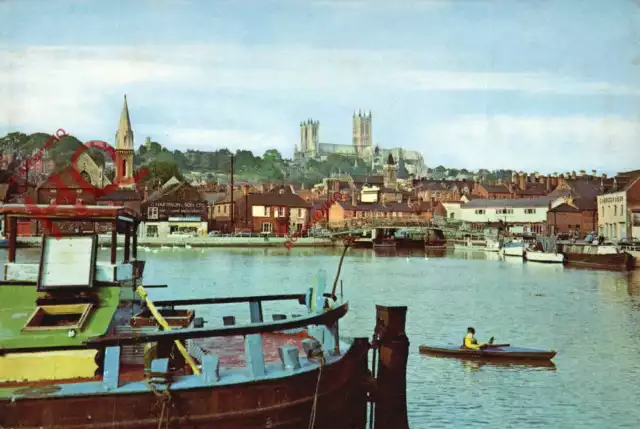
320	322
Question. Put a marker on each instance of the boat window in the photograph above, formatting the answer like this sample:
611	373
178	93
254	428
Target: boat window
64	316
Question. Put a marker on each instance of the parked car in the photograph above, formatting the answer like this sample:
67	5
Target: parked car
629	241
214	234
242	234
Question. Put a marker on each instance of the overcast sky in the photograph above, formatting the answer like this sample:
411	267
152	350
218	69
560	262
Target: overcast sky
537	85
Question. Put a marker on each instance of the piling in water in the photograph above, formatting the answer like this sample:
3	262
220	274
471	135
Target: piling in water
391	397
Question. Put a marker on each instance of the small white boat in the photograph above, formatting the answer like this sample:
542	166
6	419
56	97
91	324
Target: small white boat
492	246
513	248
548	257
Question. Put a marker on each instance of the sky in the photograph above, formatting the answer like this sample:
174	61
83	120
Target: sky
546	86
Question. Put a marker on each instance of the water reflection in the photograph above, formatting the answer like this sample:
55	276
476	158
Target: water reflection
478	364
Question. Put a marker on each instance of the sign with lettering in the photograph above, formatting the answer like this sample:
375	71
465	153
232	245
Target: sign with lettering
186	209
609	200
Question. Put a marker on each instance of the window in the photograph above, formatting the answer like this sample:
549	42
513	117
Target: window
281	212
152	212
225	208
480	211
452	215
615	210
529	211
152	230
266	212
266	227
299	212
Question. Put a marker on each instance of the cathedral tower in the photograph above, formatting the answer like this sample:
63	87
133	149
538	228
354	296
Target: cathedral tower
124	150
309	138
361	131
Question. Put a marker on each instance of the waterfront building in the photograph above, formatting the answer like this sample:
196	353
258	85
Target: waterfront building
614	213
353	213
278	211
176	209
574	207
522	215
362	147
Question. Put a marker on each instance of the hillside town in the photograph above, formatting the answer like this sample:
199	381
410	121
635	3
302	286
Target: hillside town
571	204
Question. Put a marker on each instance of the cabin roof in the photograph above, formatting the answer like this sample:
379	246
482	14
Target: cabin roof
21	303
67	211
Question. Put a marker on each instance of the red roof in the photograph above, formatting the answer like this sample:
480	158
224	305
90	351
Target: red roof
55	211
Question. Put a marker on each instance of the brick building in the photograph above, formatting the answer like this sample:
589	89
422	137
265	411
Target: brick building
278	211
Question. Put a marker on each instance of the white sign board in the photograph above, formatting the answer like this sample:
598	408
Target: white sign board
68	262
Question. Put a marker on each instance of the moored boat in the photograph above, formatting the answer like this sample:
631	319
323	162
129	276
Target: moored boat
513	248
492	245
545	251
545	257
506	352
81	339
607	257
434	239
469	242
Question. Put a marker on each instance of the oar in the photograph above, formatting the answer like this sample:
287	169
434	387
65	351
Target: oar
497	345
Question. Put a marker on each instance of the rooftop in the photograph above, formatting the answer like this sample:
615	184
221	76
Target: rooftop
508	202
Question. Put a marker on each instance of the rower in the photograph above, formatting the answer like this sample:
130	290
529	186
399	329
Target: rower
470	341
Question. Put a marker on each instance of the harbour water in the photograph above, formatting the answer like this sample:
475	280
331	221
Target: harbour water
592	318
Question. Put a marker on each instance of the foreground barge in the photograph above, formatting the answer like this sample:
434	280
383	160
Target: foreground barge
83	347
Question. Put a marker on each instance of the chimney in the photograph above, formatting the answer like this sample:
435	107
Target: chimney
523	183
145	193
548	183
602	185
615	185
604	176
561	180
354	200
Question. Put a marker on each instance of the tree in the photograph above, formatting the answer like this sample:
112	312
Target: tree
272	155
159	172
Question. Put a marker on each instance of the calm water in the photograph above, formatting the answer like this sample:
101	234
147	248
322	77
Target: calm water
592	318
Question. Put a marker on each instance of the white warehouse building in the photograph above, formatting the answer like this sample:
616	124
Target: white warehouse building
522	215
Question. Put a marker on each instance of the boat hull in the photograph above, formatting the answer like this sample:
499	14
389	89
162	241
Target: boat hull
516	252
284	402
615	261
507	353
544	257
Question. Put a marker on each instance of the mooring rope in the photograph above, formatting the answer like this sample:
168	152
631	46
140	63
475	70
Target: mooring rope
164	398
312	418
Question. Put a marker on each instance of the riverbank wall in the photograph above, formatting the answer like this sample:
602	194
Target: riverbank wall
202	242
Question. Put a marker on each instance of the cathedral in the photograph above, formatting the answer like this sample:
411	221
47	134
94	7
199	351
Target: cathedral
361	147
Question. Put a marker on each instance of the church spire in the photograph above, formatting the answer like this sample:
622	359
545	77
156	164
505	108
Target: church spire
124	135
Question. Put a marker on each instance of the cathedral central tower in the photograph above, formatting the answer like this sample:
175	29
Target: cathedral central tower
361	131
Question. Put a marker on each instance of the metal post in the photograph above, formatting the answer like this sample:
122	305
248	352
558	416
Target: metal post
134	247
114	241
127	243
231	225
13	238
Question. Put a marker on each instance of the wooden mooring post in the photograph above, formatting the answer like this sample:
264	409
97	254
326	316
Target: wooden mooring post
393	352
